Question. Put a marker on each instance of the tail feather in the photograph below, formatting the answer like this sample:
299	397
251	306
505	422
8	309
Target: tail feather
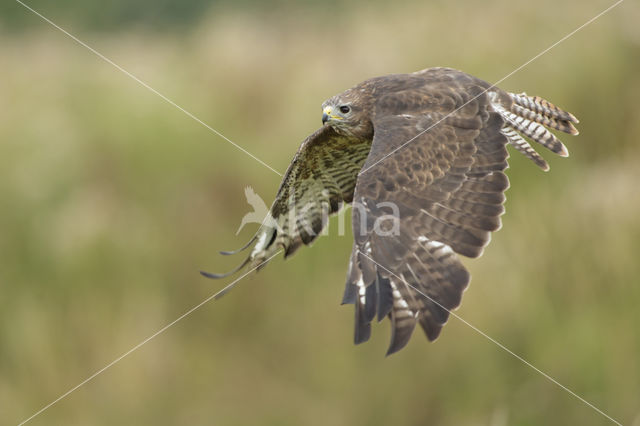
542	106
537	132
530	116
558	124
523	146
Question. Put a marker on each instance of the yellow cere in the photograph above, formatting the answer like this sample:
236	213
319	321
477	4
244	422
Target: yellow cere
328	110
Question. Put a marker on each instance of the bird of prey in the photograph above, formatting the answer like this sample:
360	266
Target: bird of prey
427	149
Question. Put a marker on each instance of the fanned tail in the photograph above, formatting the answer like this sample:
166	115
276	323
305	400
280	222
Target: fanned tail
544	108
519	143
530	116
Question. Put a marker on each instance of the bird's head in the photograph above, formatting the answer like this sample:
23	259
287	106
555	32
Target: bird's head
336	114
346	114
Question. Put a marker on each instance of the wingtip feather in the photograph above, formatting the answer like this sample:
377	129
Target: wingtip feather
215	276
233	271
244	247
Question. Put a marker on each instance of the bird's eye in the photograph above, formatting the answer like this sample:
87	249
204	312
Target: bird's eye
345	109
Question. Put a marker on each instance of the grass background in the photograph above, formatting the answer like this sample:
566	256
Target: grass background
112	200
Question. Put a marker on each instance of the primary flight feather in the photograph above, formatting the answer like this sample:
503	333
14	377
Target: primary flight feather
421	157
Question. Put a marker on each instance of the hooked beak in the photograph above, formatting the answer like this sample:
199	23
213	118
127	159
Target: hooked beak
327	114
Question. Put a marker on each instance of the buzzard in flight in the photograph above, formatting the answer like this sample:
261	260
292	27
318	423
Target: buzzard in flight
421	157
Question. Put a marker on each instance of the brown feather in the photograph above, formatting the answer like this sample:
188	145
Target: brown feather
433	143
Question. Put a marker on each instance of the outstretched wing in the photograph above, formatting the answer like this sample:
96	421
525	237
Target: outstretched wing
319	180
438	195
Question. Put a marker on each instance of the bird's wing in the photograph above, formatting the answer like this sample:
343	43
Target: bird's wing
321	178
446	187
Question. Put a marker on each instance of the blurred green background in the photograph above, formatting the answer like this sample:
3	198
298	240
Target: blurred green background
113	200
